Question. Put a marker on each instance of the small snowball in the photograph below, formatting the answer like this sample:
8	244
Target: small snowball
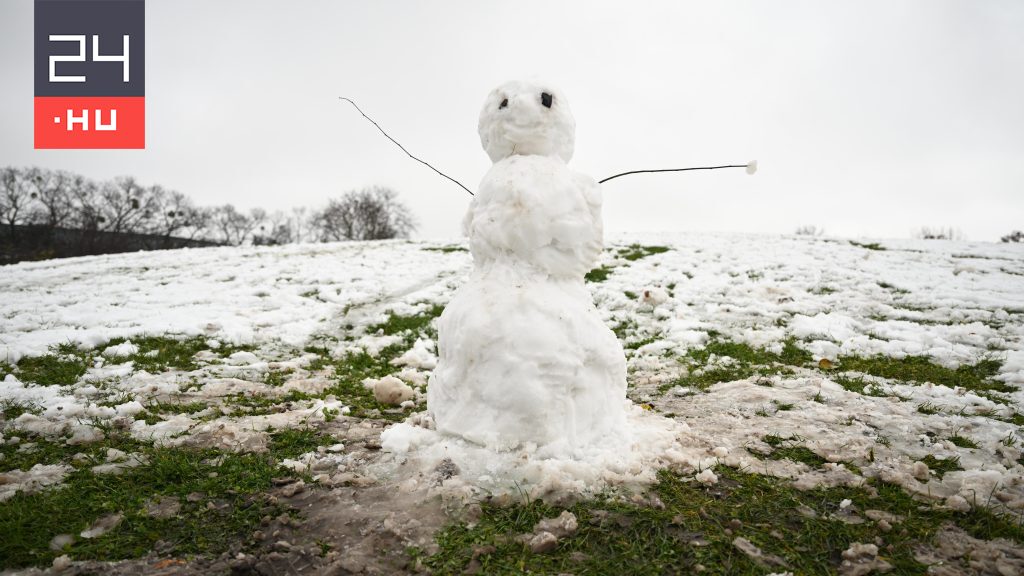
60	541
543	542
858	550
61	563
655	296
564	525
920	471
121	350
706	477
752	167
129	408
720	452
391	390
958	503
845	504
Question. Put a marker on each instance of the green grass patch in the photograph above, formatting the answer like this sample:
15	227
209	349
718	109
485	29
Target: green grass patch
746	361
295	442
599	274
63	366
446	249
234	483
962	441
697	526
396	324
940	467
919	369
11	409
349	373
635	252
162	353
34	450
868	245
789	449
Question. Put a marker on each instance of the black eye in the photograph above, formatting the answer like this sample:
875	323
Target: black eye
503	104
545	99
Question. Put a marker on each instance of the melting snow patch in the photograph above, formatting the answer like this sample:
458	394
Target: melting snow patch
35	479
121	350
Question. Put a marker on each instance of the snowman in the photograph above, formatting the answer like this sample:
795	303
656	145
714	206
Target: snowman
525	360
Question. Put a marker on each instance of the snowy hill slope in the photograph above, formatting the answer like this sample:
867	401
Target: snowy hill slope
899	360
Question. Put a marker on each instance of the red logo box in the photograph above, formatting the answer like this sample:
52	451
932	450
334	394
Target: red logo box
90	122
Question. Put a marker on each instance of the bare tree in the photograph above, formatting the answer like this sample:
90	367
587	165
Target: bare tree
87	211
276	229
809	230
50	191
369	214
124	205
300	223
1015	236
15	198
233	227
940	233
173	214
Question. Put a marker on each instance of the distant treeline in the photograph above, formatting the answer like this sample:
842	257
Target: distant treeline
54	213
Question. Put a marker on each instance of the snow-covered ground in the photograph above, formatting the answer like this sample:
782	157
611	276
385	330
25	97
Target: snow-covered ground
956	303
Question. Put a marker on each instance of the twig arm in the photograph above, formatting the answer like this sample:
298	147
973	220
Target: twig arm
425	163
673	170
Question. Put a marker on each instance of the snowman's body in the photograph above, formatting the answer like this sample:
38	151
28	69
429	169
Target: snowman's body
524	356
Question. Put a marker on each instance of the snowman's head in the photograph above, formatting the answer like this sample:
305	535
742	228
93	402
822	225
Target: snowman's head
527	118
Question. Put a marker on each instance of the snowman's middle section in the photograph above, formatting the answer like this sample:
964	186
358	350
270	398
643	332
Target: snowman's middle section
524	357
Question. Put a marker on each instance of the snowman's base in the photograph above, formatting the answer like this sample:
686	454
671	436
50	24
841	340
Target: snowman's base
425	458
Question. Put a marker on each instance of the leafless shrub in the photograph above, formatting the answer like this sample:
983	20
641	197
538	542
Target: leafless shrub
947	233
809	231
369	214
1015	236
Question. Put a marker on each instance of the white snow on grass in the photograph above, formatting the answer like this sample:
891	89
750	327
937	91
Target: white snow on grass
956	303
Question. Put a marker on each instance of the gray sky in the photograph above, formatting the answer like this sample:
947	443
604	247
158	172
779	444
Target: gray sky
867	118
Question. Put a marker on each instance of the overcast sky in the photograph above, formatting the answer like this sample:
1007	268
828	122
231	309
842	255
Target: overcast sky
867	118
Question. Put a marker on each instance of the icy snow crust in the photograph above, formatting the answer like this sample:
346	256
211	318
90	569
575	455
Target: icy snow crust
955	302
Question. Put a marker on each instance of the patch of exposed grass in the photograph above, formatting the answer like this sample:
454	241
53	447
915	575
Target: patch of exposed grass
919	369
599	274
962	441
276	377
11	409
63	366
745	361
161	353
349	373
34	450
940	467
172	408
635	252
446	249
234	484
228	503
698	525
414	325
789	449
868	245
294	442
